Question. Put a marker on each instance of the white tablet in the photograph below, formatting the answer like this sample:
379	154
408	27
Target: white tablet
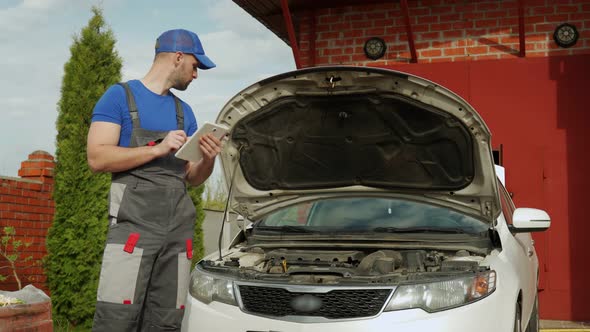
191	150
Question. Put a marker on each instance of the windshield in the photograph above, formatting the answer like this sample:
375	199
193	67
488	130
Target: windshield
345	215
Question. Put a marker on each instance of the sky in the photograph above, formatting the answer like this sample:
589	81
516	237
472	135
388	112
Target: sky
36	35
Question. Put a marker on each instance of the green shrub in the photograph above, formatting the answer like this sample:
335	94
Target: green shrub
9	250
76	238
196	194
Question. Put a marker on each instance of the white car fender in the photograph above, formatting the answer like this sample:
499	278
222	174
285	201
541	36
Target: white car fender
515	250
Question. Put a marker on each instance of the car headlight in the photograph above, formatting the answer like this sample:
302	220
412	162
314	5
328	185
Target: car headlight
207	288
441	295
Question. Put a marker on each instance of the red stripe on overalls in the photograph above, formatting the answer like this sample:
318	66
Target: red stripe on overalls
131	242
189	248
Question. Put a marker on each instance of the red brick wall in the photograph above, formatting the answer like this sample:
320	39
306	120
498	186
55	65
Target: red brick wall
26	204
444	30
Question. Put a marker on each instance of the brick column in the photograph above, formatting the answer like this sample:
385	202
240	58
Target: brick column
38	167
26	204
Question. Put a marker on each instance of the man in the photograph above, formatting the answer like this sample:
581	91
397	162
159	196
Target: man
136	129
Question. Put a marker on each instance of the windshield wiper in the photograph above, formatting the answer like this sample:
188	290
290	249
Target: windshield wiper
284	229
419	230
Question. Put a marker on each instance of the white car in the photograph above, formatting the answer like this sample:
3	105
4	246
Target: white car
370	203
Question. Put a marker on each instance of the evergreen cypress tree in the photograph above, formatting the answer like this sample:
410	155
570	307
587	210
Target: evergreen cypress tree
196	194
76	237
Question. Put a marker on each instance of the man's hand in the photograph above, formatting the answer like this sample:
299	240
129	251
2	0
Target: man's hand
198	172
210	147
172	142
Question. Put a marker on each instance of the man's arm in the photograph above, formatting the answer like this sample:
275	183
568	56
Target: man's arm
198	172
105	156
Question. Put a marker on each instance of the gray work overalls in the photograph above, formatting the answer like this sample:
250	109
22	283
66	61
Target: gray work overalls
147	257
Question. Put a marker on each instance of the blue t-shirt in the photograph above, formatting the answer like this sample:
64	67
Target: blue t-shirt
156	112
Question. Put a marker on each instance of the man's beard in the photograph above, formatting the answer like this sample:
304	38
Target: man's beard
181	86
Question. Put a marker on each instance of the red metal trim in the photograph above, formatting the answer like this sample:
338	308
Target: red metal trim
406	13
291	32
522	50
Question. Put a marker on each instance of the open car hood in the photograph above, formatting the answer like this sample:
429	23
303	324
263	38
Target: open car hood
334	131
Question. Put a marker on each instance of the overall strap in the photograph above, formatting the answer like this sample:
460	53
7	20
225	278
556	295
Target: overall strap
131	104
179	113
133	108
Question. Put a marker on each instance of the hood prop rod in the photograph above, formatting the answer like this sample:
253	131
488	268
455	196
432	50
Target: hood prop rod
225	214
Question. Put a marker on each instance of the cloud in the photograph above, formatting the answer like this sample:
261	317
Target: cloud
243	45
230	16
239	57
208	106
27	125
32	66
41	4
137	59
26	15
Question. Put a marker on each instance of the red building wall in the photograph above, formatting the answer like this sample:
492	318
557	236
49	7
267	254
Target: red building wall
536	106
26	204
536	109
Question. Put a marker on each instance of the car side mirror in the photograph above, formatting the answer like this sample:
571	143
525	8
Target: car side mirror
525	220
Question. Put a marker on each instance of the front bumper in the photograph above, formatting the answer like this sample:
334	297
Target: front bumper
490	314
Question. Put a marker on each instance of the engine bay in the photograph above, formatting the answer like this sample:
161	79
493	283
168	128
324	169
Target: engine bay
312	266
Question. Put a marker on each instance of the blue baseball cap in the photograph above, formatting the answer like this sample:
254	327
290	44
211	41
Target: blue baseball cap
180	40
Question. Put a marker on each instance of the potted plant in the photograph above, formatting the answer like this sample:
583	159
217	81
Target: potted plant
28	308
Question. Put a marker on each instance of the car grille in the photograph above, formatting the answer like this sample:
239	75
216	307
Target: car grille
336	304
